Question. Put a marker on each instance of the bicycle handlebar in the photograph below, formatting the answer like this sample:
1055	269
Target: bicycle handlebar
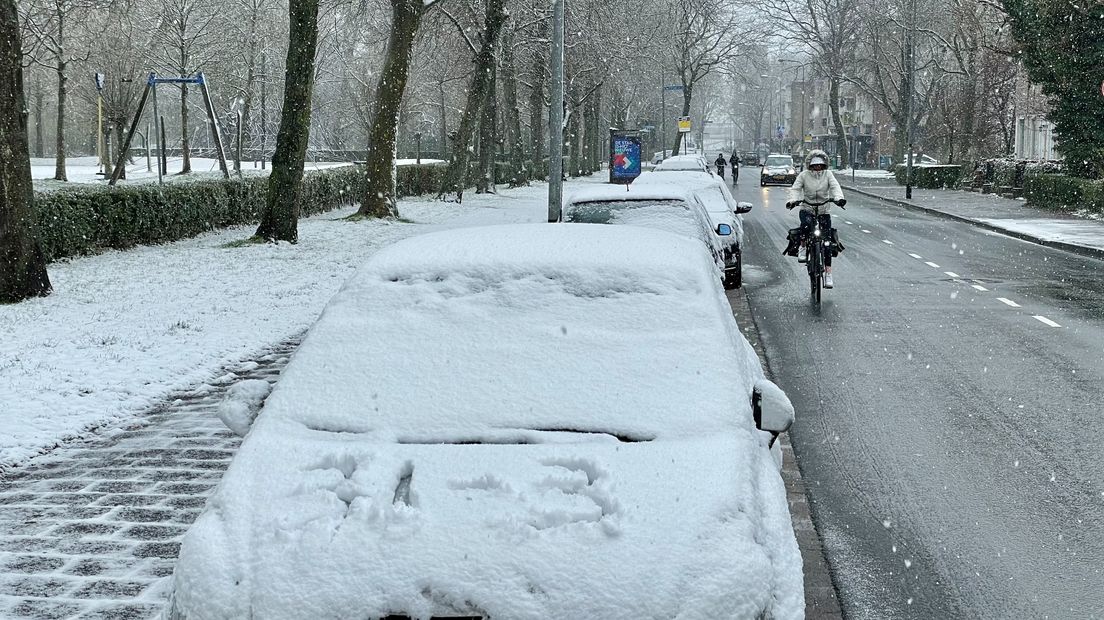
818	204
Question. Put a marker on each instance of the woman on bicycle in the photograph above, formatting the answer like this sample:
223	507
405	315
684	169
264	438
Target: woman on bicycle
816	184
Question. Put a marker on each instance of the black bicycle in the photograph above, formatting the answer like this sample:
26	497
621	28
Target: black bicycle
817	243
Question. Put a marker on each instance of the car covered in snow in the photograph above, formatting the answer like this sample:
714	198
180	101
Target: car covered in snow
528	421
722	207
778	170
691	162
670	207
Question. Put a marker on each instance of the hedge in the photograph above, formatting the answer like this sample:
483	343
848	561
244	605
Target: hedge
1058	192
930	177
86	219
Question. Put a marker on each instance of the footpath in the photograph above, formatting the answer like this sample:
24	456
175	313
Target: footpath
1082	235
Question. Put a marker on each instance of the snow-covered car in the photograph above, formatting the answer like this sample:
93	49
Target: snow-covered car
668	207
687	162
722	207
778	170
528	421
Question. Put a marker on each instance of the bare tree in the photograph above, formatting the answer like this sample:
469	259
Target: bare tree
282	207
22	264
706	34
49	23
379	194
827	28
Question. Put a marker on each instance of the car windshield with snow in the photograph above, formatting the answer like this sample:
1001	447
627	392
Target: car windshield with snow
484	421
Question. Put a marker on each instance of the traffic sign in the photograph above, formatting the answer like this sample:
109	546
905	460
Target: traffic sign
672	87
684	124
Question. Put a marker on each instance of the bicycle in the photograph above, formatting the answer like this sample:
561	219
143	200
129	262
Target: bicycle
821	242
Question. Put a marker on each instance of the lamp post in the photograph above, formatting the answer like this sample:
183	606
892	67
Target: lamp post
556	115
910	46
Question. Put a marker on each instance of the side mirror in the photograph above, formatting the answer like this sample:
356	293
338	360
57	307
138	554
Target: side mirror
771	408
743	207
724	230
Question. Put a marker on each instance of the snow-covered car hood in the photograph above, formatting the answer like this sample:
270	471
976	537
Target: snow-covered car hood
337	527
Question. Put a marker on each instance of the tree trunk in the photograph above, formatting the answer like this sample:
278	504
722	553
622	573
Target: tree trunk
687	98
443	134
833	105
575	134
285	185
518	175
185	149
456	176
40	108
59	153
536	107
250	77
379	199
22	263
488	138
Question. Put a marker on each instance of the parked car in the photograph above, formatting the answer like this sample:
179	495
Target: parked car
722	207
690	162
670	208
525	422
778	170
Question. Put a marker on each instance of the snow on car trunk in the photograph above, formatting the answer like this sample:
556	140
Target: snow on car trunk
519	422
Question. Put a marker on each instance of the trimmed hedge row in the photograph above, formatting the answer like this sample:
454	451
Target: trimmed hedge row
1058	192
1010	172
86	219
930	177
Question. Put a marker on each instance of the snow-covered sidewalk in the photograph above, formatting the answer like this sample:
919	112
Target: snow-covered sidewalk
122	330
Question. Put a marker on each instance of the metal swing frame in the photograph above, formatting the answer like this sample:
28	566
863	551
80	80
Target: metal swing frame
151	87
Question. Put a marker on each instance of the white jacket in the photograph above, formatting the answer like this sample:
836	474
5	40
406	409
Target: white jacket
816	186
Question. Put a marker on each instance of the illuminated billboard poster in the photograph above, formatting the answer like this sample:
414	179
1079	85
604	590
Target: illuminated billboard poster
625	155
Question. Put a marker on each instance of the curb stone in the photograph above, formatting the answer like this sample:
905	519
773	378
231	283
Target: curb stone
1061	245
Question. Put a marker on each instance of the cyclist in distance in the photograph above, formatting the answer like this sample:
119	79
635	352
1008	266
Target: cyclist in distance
816	184
720	162
735	162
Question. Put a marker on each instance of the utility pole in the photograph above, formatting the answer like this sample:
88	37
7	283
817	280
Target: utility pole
556	115
911	46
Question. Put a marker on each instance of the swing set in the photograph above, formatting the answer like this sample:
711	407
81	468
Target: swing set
151	87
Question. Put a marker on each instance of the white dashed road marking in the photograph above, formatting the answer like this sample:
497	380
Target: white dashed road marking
866	231
979	287
1008	302
1046	321
887	242
916	256
932	265
952	274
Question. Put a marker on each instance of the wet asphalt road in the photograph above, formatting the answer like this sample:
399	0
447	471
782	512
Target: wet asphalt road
949	440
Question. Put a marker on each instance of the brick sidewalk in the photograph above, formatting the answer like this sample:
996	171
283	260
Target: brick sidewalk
92	530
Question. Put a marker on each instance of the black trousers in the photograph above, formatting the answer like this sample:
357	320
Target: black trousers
825	228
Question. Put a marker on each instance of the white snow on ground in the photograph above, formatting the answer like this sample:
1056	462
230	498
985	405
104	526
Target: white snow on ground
242	403
122	330
83	170
1084	233
865	173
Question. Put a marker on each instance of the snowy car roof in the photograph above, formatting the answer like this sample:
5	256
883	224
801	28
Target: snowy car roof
519	422
683	163
610	192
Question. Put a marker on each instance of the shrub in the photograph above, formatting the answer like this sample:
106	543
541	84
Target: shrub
930	177
1062	193
86	219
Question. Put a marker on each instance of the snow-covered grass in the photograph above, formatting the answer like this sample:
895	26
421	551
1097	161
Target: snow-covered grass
865	173
84	170
122	330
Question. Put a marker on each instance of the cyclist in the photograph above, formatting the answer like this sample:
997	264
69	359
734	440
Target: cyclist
720	162
816	184
735	161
